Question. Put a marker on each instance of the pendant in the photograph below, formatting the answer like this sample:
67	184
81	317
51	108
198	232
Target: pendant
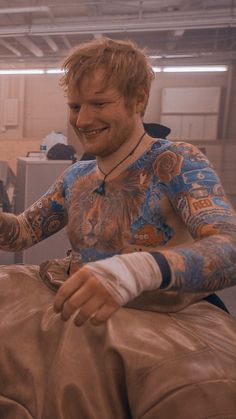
101	188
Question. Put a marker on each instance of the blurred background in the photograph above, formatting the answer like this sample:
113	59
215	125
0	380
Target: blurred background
197	104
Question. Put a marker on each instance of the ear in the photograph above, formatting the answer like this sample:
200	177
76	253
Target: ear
141	102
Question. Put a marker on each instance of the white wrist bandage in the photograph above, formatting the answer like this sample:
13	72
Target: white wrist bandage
127	276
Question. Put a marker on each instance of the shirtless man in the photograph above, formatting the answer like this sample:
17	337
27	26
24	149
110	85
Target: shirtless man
142	194
151	231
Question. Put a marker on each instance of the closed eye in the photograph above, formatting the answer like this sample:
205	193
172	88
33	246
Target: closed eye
100	104
75	108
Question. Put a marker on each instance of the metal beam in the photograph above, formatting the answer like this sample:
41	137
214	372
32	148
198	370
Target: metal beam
27	43
195	58
24	10
51	43
173	43
160	22
14	10
10	47
179	33
66	41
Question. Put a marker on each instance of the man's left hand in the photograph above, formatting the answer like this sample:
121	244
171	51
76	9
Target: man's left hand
83	293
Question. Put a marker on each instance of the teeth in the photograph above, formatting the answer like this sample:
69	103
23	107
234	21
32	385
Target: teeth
93	132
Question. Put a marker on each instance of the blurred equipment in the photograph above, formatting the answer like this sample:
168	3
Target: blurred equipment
53	138
43	151
62	152
7	187
34	178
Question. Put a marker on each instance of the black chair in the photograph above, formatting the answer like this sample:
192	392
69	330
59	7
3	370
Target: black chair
156	130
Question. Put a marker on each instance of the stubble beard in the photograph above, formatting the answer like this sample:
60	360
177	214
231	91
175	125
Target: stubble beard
117	141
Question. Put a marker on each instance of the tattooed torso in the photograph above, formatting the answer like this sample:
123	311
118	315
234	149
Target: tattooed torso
170	200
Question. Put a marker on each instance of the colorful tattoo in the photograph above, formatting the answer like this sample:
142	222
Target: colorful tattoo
170	201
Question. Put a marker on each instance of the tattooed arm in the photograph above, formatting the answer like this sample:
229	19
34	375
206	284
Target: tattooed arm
42	219
209	263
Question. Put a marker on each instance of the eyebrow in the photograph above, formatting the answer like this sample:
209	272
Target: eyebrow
98	92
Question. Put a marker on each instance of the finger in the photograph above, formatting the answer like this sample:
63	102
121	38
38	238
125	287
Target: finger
69	287
87	311
104	313
91	288
75	301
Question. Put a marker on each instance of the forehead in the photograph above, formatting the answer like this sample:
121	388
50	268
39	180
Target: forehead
93	84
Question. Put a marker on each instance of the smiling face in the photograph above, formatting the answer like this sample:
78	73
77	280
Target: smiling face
101	117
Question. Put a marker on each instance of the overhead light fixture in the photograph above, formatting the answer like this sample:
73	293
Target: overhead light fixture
171	69
156	69
192	69
54	71
181	56
22	71
154	57
31	71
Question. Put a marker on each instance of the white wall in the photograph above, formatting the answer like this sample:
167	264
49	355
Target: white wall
45	106
167	80
12	93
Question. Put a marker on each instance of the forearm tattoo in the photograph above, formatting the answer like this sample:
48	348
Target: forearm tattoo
9	231
208	263
42	219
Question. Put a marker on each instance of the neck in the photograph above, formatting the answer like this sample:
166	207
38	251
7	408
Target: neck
101	188
108	162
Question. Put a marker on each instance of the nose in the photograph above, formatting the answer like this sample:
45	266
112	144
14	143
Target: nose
84	117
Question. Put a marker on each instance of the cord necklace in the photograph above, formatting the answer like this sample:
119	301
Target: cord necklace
101	188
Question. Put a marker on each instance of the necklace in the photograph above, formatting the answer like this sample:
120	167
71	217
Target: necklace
101	188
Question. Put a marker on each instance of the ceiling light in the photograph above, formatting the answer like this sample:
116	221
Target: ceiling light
181	56
154	57
190	69
31	71
54	71
156	69
22	71
171	69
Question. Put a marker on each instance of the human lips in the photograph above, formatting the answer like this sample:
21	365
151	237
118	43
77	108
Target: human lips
92	132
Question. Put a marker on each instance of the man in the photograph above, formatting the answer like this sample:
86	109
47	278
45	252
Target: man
152	231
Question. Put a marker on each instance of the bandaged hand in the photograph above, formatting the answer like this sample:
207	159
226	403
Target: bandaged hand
127	276
84	297
98	289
